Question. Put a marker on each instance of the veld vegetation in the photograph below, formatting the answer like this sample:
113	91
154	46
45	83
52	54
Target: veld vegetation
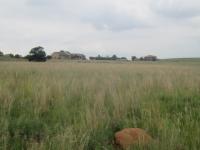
70	105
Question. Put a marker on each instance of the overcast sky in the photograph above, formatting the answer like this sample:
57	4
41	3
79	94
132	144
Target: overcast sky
166	28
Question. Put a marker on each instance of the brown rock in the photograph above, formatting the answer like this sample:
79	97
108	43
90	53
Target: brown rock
132	136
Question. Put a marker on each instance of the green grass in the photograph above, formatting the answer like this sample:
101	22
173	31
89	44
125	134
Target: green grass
70	105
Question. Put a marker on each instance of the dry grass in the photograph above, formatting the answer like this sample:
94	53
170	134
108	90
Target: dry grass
70	105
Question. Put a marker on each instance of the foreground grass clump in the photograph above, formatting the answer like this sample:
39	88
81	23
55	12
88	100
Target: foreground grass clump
81	106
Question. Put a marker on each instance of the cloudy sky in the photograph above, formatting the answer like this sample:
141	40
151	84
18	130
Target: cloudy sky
166	28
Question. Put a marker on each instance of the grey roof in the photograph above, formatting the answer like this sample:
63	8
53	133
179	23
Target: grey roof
150	56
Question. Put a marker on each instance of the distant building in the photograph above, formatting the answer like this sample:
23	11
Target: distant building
67	55
150	58
123	59
61	55
114	57
93	58
78	56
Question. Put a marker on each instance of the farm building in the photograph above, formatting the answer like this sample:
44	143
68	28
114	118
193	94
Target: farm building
67	55
61	55
150	58
78	56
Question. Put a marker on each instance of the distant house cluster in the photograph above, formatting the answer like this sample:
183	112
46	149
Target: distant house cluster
146	58
67	55
76	56
114	57
150	58
38	52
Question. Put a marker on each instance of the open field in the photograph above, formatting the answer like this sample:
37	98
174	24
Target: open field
75	106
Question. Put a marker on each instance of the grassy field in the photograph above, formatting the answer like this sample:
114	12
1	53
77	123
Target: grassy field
75	106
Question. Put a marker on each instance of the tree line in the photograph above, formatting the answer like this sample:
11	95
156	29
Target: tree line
38	54
114	57
35	54
10	55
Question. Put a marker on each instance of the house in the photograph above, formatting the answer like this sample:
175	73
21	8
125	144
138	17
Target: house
61	55
78	56
67	55
123	59
92	58
150	58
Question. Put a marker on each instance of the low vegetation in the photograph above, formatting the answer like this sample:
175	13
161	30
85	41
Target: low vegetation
70	105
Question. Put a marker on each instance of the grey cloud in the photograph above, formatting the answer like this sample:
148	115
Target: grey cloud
103	16
111	20
40	3
48	10
178	9
102	26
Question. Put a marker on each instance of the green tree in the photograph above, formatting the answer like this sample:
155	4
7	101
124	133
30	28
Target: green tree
49	57
114	57
37	54
141	58
11	55
1	53
133	58
17	56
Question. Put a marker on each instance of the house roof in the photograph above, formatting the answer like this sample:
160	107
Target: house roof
62	53
150	56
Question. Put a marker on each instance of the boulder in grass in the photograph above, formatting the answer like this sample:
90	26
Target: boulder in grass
132	136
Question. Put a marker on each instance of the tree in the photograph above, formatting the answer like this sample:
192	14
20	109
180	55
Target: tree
17	56
49	57
133	58
1	53
11	55
37	54
114	57
124	58
141	58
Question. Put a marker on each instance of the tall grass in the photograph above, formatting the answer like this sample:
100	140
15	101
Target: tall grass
81	105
